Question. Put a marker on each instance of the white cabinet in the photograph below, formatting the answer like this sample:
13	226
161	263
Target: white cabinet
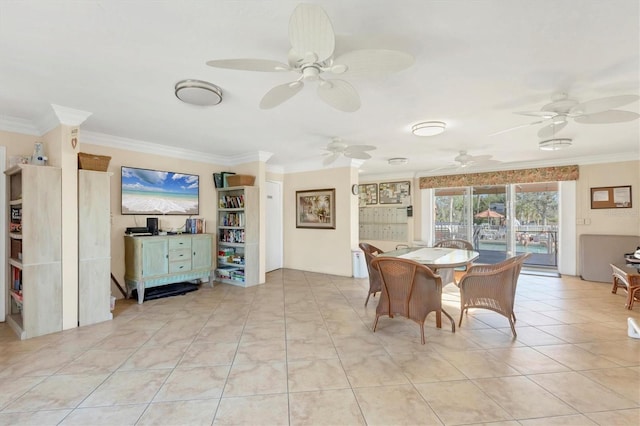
35	242
159	260
238	236
94	247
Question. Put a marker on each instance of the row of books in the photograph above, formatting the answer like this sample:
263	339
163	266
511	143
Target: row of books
194	226
232	219
231	202
232	235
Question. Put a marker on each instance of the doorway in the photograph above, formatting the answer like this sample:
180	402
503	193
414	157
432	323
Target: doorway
273	220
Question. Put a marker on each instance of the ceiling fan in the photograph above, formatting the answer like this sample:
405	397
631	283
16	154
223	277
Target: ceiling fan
338	147
464	161
311	55
562	108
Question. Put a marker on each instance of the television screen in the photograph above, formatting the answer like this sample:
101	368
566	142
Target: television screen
153	192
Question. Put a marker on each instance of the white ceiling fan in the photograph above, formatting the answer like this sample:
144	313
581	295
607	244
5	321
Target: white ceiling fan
311	55
338	147
466	161
562	108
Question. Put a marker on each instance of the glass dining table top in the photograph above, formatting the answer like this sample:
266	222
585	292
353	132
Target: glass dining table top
435	257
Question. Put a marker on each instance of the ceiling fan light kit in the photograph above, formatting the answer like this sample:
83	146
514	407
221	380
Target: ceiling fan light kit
428	128
397	161
198	92
554	144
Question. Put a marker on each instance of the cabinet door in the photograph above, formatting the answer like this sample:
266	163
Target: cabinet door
201	247
155	257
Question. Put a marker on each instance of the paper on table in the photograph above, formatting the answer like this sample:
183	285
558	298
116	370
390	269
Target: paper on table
426	254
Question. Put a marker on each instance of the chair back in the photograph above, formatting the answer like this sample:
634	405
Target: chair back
492	287
408	288
455	244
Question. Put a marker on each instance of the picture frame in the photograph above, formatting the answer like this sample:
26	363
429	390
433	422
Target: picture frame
368	193
611	197
393	192
225	184
316	209
217	180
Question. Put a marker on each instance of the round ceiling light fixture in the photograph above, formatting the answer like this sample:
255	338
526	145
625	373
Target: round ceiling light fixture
398	161
554	144
198	92
428	128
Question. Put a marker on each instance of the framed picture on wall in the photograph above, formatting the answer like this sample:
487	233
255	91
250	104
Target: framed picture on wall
316	209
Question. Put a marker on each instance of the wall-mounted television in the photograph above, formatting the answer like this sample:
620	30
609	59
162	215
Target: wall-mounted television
154	192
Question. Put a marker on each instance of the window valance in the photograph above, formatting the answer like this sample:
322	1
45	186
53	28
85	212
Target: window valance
503	177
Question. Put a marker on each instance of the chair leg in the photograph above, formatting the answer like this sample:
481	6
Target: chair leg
367	301
513	328
453	323
461	314
422	332
375	323
438	319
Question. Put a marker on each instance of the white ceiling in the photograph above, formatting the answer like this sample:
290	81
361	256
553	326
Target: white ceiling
477	62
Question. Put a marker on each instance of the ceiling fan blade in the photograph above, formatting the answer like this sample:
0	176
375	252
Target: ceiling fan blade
606	117
359	148
330	159
549	131
480	158
542	114
374	62
280	94
517	127
339	94
310	31
360	155
603	104
264	65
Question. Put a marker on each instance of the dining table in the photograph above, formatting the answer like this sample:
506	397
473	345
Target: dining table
441	260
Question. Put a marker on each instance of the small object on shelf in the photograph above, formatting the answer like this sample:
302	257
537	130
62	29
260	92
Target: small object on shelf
240	180
99	163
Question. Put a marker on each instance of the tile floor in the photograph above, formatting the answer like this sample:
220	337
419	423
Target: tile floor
300	350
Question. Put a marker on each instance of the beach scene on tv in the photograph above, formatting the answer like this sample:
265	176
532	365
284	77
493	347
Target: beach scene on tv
156	192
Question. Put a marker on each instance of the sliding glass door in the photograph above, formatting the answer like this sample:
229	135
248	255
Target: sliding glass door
501	220
452	217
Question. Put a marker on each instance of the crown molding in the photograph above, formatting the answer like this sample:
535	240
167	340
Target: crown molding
316	165
118	142
18	125
261	156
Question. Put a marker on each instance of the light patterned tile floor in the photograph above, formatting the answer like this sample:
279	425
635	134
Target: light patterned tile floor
299	350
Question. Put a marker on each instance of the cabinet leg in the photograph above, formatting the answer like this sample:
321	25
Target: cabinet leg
140	289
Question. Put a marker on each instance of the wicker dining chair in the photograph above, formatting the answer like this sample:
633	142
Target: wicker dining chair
492	287
456	244
375	282
411	290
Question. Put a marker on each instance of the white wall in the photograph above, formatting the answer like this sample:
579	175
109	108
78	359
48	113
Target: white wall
320	250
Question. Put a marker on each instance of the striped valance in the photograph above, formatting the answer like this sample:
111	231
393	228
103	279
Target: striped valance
504	177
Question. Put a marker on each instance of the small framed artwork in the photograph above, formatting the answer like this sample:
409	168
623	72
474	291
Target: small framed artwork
393	192
224	175
369	193
217	180
316	209
611	197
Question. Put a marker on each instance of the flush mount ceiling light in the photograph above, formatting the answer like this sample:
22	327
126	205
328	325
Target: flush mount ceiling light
428	128
398	160
197	92
554	144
